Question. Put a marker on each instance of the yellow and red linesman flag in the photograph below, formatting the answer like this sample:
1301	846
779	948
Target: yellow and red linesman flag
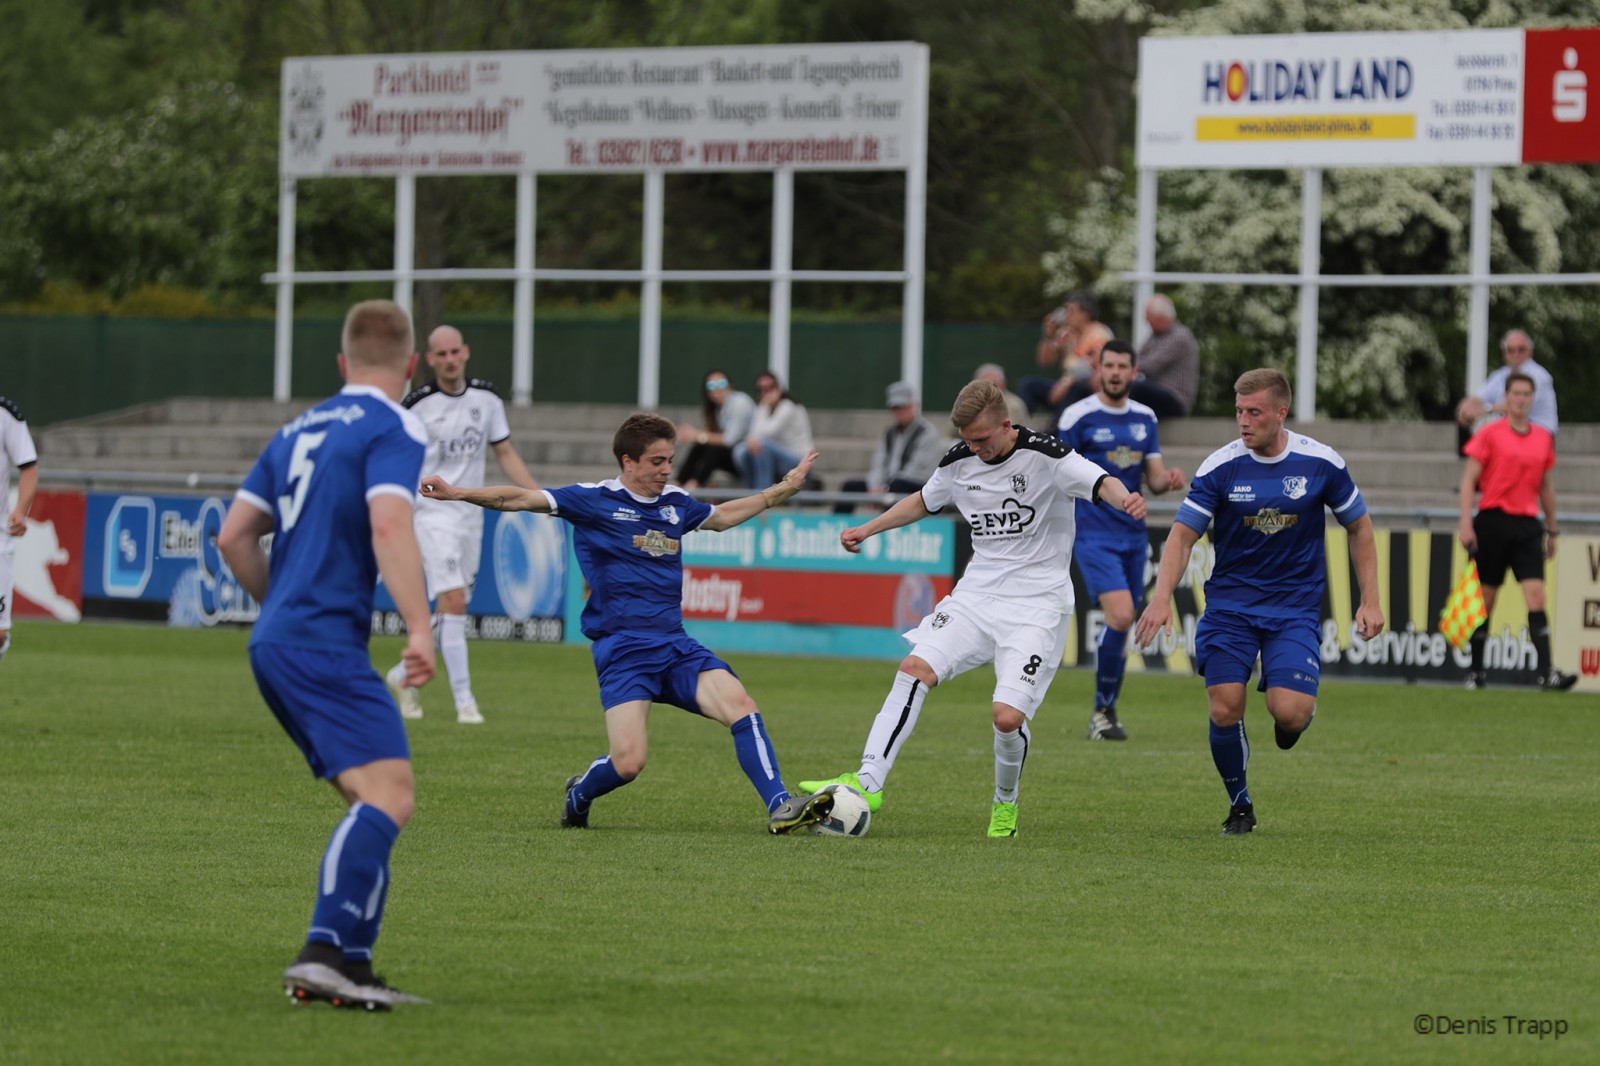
1463	611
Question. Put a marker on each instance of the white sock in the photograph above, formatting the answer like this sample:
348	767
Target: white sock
5	646
890	729
1010	752
453	648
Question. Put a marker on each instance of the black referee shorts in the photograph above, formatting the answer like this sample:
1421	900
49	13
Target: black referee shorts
1508	540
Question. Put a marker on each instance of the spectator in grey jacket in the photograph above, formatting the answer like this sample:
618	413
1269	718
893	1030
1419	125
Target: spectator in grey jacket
725	416
907	453
779	437
1169	362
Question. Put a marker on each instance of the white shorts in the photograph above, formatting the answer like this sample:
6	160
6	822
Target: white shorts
450	549
8	557
1025	644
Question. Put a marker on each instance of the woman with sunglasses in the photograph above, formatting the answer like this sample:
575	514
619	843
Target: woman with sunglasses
780	433
725	419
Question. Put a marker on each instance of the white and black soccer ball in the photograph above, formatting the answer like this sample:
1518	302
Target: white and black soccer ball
849	817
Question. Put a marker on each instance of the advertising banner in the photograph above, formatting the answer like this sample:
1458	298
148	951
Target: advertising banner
782	584
1417	570
1575	611
811	106
1470	97
47	567
155	557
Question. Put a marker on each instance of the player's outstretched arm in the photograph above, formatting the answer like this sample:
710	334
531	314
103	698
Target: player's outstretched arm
727	515
1117	495
239	541
906	511
1174	557
1364	553
394	544
494	497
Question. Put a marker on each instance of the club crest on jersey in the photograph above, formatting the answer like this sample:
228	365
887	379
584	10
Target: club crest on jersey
656	544
475	413
669	515
1294	487
1019	482
940	620
1270	520
1137	431
1124	457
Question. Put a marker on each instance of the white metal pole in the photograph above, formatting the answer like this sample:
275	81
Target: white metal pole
650	291
1145	256
916	218
782	262
405	237
1305	366
522	300
283	327
1478	306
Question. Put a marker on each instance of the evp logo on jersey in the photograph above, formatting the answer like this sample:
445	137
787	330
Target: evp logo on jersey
1013	518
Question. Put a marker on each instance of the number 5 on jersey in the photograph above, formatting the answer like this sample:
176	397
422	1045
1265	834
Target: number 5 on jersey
300	470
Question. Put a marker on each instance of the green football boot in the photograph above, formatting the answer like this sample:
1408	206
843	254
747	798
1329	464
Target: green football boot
874	799
1003	822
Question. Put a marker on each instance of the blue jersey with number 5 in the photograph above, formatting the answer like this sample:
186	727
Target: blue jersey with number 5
315	478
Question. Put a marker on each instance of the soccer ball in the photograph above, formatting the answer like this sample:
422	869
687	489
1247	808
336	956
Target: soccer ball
849	817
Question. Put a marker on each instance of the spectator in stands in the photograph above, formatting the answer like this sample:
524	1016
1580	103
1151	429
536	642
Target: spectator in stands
725	419
1076	346
1490	400
779	436
1169	362
906	454
1016	410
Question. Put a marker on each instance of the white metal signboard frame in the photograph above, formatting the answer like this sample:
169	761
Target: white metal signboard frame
1479	98
778	108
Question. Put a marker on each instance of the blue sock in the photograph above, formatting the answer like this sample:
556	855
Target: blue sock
354	875
600	778
758	761
359	946
1109	667
1230	750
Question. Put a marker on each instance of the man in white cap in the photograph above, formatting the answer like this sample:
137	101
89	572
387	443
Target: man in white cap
906	454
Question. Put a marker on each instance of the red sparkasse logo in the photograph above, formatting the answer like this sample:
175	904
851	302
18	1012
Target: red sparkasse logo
1561	96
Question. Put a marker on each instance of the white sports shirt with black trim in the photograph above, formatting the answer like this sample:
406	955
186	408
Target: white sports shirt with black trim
1020	510
16	450
460	427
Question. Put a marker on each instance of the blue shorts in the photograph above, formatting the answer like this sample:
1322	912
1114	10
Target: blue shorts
333	705
1226	645
659	667
1109	565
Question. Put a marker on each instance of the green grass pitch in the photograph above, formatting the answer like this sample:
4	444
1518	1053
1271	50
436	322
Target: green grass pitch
1423	852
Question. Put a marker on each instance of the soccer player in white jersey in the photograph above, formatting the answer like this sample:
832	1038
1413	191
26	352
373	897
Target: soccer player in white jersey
1119	434
16	450
334	487
1263	497
1015	488
627	535
462	415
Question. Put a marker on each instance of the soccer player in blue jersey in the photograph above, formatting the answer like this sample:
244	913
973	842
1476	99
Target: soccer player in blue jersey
1263	498
1120	435
628	535
335	487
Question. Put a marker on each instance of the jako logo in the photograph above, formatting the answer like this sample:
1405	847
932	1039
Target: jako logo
1571	90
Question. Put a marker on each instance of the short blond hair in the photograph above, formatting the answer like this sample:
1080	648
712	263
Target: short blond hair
1265	380
377	333
976	398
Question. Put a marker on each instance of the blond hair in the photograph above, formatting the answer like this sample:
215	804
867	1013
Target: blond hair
377	333
1265	380
976	399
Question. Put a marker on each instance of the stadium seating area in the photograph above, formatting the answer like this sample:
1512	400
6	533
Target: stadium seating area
1403	468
